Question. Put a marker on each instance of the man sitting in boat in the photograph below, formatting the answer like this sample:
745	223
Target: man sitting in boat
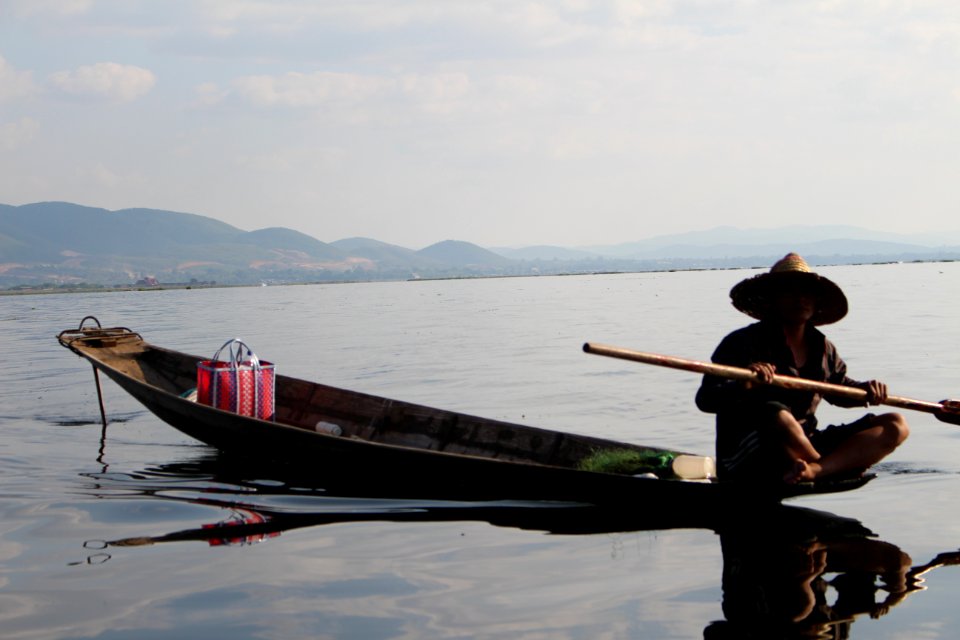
767	432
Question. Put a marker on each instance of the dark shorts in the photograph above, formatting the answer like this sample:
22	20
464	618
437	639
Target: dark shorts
828	440
756	457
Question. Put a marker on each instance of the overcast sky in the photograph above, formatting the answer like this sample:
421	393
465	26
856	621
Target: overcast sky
499	123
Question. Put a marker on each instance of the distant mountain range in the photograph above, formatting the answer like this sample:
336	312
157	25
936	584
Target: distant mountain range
59	244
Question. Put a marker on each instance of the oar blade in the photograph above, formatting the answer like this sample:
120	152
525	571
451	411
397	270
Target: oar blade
949	411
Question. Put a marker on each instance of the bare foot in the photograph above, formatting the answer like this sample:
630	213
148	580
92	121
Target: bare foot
802	471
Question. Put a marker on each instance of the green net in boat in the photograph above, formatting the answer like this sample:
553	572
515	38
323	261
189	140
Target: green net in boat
627	461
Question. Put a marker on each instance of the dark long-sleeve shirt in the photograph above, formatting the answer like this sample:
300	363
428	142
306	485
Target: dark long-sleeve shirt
740	410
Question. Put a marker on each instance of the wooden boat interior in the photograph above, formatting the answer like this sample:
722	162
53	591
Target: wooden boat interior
304	405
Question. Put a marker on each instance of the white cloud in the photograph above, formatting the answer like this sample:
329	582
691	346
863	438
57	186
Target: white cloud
98	177
59	8
439	93
104	176
14	84
119	82
630	11
209	94
931	36
14	135
308	90
436	94
280	17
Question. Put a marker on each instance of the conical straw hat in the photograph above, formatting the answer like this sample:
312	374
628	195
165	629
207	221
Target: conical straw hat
755	296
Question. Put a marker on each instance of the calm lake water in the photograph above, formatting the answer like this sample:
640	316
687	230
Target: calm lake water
127	534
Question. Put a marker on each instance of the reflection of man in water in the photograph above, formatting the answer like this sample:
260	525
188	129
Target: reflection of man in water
775	588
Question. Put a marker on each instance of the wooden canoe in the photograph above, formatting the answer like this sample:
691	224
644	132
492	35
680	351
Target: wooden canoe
400	447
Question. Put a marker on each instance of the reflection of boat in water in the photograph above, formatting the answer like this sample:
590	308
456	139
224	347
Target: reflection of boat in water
254	511
788	571
249	522
417	449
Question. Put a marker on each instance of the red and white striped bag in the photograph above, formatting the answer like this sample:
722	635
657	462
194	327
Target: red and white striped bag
242	383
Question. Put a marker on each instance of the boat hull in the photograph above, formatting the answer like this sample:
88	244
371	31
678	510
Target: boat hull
395	447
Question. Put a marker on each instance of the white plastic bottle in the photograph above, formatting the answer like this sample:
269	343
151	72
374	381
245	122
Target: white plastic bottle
694	467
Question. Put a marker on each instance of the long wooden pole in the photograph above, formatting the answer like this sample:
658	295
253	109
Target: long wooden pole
103	411
787	382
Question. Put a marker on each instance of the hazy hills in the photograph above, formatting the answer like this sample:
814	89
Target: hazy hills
63	244
824	243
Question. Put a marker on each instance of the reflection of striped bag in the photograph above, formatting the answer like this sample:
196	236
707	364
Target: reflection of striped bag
242	383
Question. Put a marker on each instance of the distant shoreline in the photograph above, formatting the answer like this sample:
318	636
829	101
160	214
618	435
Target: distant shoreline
17	291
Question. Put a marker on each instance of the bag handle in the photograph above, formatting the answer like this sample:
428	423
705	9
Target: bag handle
235	353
